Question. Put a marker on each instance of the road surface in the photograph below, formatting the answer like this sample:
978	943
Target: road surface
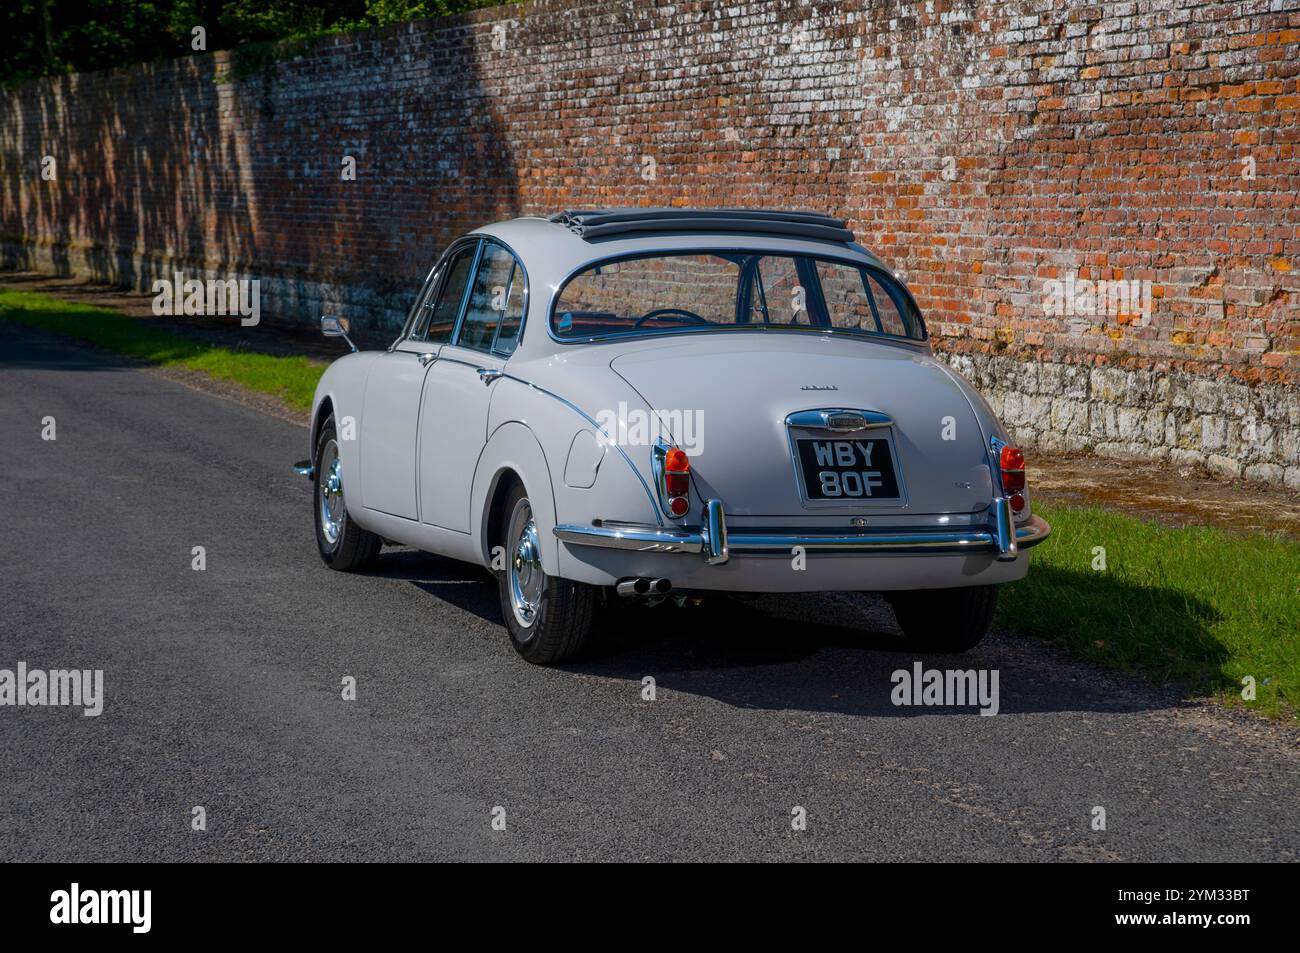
222	690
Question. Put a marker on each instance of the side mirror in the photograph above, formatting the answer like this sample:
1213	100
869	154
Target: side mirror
333	327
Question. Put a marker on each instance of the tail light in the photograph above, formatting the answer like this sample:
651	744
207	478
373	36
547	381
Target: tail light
1012	463
674	476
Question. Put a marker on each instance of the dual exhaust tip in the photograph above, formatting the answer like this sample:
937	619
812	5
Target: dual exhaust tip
641	586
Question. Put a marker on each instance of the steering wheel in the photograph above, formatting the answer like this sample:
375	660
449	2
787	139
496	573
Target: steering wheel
661	312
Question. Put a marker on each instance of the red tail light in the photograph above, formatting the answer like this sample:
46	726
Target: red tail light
676	481
1012	462
677	473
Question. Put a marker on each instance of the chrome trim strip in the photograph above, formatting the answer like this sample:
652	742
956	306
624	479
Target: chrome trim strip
715	534
1033	532
645	538
860	542
996	444
1004	529
601	430
821	419
641	537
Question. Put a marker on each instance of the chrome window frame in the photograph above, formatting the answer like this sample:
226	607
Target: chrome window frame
412	316
454	340
890	282
484	241
435	278
437	275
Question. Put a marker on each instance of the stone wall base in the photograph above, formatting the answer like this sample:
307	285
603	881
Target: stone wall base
1230	428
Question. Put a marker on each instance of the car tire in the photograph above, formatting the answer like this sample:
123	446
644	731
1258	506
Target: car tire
945	620
343	544
550	620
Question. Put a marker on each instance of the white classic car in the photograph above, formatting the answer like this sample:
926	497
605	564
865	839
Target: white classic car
658	404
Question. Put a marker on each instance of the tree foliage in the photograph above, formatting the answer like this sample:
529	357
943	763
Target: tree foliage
44	37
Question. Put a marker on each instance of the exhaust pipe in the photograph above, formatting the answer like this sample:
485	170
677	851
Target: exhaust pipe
637	586
627	588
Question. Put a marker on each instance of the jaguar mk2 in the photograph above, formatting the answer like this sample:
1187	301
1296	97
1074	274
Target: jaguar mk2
839	453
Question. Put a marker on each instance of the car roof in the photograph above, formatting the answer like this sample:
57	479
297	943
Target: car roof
552	250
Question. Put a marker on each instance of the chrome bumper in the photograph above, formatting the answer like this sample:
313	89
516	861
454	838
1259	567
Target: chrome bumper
717	544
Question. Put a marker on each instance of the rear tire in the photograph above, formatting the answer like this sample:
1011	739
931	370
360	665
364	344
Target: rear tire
343	544
550	620
945	620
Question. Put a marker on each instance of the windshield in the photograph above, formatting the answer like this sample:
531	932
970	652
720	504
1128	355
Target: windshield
668	292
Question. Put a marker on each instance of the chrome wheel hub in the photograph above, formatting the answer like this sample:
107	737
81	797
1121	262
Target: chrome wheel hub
332	512
527	580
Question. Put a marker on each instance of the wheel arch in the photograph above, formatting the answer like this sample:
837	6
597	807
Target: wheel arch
513	454
321	414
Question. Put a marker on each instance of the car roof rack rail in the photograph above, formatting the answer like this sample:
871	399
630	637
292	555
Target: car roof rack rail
606	223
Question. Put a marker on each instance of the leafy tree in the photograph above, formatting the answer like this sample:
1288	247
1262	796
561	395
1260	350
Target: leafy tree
44	37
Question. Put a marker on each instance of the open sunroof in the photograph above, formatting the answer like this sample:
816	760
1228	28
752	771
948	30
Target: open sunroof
606	223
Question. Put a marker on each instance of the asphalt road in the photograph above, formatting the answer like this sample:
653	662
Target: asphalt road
223	690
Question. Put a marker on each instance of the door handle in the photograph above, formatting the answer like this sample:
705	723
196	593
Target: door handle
427	358
488	374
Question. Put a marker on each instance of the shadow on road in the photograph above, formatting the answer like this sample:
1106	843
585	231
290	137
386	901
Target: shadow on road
833	653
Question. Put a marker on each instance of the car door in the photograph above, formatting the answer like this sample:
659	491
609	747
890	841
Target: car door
396	380
459	386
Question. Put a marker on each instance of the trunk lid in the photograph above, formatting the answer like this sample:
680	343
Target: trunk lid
726	398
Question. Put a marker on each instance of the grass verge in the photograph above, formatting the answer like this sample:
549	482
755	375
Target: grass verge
290	378
1195	607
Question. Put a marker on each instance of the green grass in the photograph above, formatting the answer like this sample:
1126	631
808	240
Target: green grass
1197	607
292	379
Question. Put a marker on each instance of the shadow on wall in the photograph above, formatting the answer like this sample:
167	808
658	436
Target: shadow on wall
232	165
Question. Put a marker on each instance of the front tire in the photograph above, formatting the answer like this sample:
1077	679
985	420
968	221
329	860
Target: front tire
945	620
550	620
343	544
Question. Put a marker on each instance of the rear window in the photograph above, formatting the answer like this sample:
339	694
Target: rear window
704	291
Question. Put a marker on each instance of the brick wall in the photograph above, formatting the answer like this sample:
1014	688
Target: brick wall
1004	157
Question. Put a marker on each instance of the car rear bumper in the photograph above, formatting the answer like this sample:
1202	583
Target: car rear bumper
712	539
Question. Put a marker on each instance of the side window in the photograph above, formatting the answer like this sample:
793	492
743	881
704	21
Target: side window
848	294
508	331
891	321
777	295
443	309
496	302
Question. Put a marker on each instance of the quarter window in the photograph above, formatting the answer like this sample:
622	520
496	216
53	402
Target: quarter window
778	296
443	309
495	309
848	296
513	319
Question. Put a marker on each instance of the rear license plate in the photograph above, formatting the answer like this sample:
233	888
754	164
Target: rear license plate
848	469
